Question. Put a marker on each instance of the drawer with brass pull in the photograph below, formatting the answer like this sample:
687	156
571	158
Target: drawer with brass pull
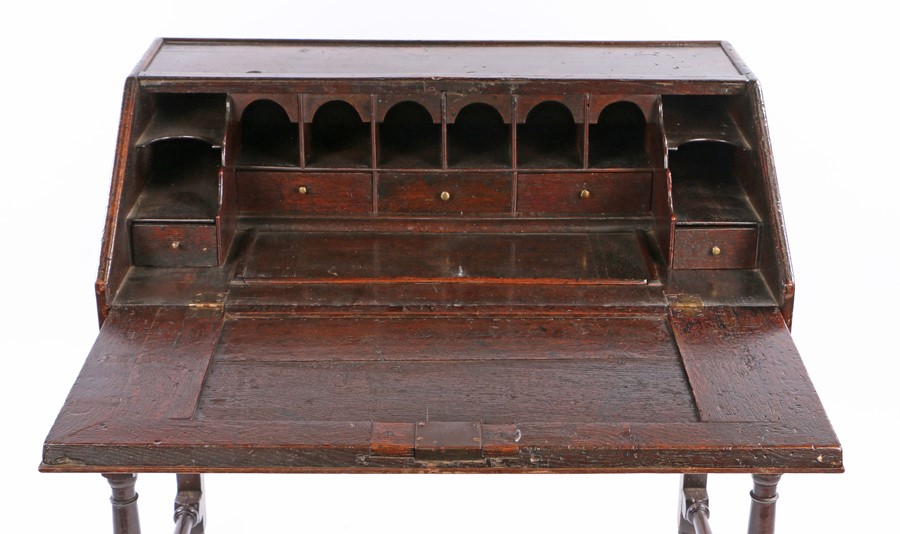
615	193
710	247
304	192
444	192
174	244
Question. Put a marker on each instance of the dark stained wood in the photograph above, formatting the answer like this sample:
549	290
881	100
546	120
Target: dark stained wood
543	447
280	257
501	102
174	245
124	503
622	193
380	59
467	193
226	220
735	247
122	196
289	339
303	192
762	381
530	287
762	507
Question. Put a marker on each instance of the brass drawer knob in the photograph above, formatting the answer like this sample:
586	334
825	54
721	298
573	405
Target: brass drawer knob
715	251
445	196
585	194
302	190
176	245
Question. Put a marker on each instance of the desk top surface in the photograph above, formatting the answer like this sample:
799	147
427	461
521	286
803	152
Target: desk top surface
639	61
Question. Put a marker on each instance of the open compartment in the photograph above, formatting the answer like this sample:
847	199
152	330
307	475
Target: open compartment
618	138
409	137
174	222
706	185
702	118
181	180
268	136
479	138
338	137
716	225
200	116
549	138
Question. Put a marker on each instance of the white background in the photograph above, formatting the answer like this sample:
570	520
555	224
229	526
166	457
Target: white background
829	77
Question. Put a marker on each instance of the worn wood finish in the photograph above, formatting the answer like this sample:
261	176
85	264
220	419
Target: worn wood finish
762	508
621	193
763	381
603	258
124	503
303	192
444	193
174	245
705	247
335	256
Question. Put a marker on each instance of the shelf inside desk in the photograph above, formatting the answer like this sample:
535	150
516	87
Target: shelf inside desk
336	257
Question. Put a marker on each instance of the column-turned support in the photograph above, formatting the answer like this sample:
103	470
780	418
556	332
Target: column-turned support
693	512
762	508
124	503
190	508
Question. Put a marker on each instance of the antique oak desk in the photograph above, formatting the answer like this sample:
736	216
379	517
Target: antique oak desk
443	257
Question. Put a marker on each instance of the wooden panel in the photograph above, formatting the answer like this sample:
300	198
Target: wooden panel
174	245
574	103
279	193
422	193
492	391
147	364
362	103
743	366
310	339
694	247
618	193
469	60
499	101
390	258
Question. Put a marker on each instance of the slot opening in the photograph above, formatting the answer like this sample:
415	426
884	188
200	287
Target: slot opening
549	138
338	137
618	138
409	138
268	137
479	138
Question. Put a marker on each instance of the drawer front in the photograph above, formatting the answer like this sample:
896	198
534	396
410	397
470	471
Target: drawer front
616	193
174	245
715	248
446	193
299	192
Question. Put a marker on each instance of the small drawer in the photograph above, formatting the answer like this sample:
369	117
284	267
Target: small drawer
299	192
715	248
614	193
174	244
445	193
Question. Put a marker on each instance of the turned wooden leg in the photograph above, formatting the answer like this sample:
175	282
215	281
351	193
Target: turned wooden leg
124	503
190	508
693	513
762	508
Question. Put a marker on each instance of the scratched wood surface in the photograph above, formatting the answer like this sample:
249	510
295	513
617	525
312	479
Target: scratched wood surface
282	257
495	303
176	388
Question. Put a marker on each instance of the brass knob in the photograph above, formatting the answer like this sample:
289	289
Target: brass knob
176	244
302	190
715	251
445	196
585	193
